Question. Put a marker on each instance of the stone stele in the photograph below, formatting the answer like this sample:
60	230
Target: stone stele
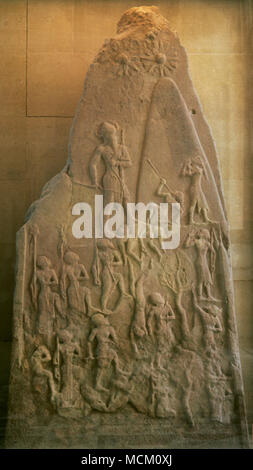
119	343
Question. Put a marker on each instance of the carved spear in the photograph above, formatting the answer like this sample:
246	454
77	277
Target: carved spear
155	170
56	360
34	232
95	265
62	246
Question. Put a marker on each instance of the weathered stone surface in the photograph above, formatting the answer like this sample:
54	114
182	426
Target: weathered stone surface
119	343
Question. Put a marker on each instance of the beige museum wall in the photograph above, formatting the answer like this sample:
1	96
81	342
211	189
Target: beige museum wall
46	47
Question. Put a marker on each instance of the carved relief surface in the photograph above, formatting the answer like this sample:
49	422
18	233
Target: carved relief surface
119	342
